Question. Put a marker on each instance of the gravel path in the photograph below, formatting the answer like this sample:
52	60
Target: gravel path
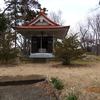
24	92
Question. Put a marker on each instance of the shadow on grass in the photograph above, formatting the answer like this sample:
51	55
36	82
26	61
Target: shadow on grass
76	64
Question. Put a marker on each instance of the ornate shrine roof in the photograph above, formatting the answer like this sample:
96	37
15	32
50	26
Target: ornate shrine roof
41	22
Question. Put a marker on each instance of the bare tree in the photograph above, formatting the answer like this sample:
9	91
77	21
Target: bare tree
57	17
89	34
85	37
94	23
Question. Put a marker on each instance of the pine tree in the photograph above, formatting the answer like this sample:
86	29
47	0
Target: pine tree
68	49
3	23
20	12
7	51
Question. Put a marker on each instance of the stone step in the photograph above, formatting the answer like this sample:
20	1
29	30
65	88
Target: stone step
20	80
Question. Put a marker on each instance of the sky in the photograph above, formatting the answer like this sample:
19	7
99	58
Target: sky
73	11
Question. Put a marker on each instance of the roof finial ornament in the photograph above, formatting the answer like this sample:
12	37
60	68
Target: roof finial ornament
44	10
41	10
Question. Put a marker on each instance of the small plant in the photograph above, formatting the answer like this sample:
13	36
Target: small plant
71	96
57	83
54	79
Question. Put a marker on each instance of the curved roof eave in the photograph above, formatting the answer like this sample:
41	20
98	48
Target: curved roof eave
40	27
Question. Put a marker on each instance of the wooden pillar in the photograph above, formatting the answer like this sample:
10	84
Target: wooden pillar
41	39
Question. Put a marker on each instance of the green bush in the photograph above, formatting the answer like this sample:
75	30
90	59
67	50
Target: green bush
57	83
68	49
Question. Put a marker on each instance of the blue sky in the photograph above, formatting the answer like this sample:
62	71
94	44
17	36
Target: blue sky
73	10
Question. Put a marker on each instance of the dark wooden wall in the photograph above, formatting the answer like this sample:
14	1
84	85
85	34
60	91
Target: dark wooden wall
50	44
34	44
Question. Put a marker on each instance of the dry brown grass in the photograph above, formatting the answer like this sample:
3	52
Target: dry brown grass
74	77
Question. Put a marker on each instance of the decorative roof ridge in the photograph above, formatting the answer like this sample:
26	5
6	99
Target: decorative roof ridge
41	13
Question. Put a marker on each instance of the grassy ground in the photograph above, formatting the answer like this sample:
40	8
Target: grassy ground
82	76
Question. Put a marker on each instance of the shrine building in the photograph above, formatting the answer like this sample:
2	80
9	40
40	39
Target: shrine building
42	31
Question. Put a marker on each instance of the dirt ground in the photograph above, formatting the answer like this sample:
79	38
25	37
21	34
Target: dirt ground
84	79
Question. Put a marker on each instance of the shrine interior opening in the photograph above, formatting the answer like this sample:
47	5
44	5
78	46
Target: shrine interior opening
42	44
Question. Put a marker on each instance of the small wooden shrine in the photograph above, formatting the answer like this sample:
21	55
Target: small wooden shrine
42	31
